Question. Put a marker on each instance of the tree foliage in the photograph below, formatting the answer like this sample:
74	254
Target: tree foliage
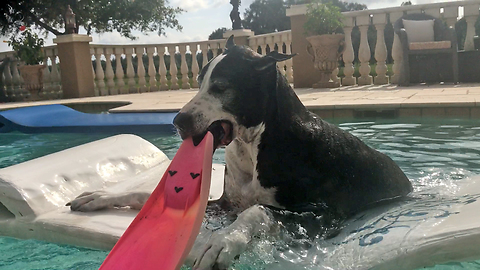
323	19
217	34
268	16
100	16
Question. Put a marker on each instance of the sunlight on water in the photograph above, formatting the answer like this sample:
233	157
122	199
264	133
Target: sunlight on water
436	156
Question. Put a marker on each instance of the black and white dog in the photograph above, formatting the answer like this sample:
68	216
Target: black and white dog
279	156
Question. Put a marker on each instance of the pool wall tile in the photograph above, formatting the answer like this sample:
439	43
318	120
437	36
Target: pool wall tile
410	112
343	113
458	112
433	112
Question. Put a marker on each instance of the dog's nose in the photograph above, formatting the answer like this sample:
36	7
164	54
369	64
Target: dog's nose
184	124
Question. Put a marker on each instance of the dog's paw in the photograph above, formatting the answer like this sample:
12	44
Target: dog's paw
223	247
90	201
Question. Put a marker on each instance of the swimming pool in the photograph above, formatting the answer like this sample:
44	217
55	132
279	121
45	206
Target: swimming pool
435	155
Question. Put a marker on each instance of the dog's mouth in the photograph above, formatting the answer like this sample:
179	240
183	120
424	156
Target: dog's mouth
222	131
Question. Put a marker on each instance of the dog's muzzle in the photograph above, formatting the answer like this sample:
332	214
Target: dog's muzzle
222	130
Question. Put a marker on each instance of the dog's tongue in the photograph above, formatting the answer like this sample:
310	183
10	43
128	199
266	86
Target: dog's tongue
226	134
221	134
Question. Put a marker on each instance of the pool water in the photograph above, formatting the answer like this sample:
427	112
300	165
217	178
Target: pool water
435	155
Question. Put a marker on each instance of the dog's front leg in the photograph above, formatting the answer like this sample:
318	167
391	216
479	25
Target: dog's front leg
98	200
226	244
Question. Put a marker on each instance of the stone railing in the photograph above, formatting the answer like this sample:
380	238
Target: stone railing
379	19
281	42
142	67
13	83
150	67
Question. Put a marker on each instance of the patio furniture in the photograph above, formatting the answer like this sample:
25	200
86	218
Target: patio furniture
429	49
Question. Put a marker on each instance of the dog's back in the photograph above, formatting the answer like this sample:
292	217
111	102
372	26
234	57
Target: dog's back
311	161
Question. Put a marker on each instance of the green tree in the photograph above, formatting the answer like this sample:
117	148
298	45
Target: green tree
217	34
100	16
267	16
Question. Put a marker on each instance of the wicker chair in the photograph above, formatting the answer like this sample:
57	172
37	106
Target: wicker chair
422	56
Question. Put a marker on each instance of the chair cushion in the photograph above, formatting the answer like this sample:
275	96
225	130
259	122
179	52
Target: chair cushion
446	44
419	31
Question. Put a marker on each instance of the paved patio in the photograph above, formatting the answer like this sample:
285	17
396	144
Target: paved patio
462	100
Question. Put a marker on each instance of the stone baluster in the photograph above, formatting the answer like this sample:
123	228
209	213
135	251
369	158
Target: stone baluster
142	83
119	74
99	74
112	90
56	76
8	79
162	70
435	12
46	76
183	66
204	50
132	85
364	51
263	46
3	90
96	91
334	76
397	52
450	15
17	81
221	46
289	62
152	81
348	55
471	13
380	20
195	68
173	68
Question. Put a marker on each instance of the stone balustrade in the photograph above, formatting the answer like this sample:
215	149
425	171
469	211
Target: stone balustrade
150	67
142	67
13	83
379	19
281	42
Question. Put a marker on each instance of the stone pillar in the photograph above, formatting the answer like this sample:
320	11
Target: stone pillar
471	15
75	65
304	73
240	36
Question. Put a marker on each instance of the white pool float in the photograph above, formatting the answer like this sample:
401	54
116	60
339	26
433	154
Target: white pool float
33	194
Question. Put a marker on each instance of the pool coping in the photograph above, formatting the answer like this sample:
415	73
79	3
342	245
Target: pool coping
439	100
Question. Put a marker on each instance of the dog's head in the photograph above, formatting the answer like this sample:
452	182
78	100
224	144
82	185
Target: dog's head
233	95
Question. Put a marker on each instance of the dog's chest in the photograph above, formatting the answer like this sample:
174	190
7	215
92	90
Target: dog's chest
242	186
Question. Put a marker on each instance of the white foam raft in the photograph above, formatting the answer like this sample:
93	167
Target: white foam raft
33	194
408	235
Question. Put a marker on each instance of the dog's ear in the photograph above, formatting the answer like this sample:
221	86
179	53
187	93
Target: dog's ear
230	43
270	59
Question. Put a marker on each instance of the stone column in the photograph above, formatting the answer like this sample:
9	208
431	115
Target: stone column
75	65
240	36
304	73
471	15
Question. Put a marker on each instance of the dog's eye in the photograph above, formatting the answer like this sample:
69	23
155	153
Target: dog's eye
218	87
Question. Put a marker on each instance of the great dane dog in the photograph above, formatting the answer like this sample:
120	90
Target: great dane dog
279	156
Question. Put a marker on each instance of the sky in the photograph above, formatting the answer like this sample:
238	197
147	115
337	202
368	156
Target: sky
200	19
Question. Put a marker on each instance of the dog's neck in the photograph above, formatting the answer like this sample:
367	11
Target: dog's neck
284	107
